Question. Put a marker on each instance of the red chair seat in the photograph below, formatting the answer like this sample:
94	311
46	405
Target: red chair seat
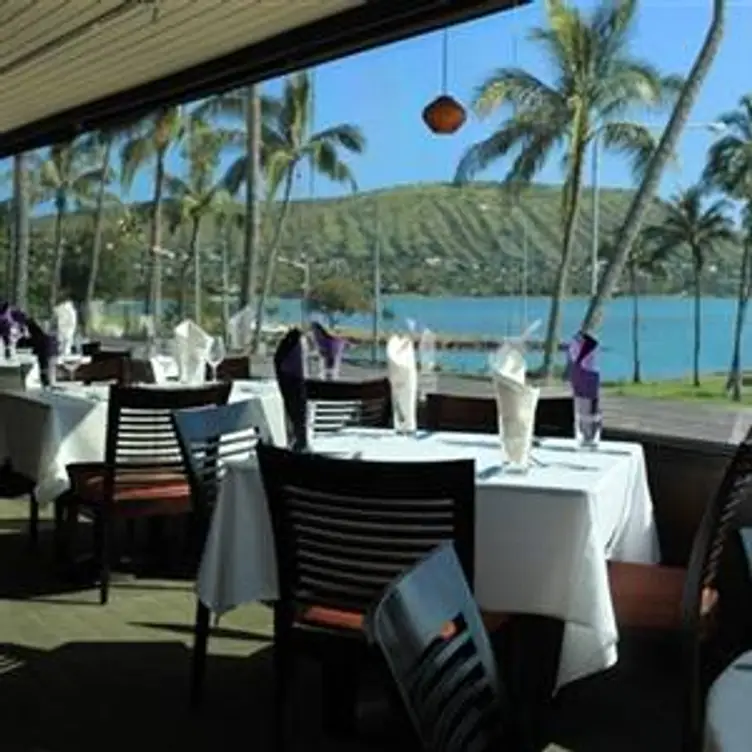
138	490
353	620
650	596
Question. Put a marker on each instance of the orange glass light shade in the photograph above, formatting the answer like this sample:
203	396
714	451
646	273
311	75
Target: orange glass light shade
445	115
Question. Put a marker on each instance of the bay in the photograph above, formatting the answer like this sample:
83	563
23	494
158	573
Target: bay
666	329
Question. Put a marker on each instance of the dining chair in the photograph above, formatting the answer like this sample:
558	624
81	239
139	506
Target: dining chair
143	474
428	628
687	601
554	416
343	529
337	404
232	368
209	437
105	367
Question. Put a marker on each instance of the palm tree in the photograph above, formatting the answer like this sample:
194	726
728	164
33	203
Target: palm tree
21	200
734	380
729	169
101	143
690	225
288	143
254	110
596	80
149	144
666	147
641	262
68	172
200	194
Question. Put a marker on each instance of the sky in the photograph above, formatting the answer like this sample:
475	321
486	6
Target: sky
384	91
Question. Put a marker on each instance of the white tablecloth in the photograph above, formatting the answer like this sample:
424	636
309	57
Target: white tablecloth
542	539
728	720
19	372
44	430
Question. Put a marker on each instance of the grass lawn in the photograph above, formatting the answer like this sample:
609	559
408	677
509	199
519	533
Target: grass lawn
711	390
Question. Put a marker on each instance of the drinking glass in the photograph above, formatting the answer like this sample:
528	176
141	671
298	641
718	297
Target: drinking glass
216	355
71	361
588	422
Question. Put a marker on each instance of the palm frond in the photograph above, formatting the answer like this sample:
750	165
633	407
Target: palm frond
515	87
634	141
323	157
481	155
349	137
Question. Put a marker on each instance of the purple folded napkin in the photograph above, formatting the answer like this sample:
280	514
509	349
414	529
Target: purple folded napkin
582	371
290	371
329	345
13	323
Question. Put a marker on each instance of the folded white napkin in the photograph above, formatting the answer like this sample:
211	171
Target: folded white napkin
516	401
508	366
517	420
66	321
403	379
427	350
146	326
240	329
192	345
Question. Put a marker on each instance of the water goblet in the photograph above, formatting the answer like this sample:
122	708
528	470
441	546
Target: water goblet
216	355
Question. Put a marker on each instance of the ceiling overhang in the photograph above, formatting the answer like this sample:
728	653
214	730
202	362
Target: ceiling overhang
70	67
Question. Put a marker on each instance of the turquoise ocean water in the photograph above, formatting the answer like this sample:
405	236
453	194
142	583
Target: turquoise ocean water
666	330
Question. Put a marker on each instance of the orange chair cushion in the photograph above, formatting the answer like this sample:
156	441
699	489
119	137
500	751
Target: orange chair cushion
650	596
138	490
353	620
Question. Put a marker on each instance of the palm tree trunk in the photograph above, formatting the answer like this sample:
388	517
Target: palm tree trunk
57	265
698	327
153	302
272	259
193	254
551	344
252	228
20	232
666	147
10	256
636	369
734	381
225	250
96	245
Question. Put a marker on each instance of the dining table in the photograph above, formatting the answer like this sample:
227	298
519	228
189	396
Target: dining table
542	537
43	430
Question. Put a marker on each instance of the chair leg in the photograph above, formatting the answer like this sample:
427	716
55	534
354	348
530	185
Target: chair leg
103	545
282	678
33	520
339	696
200	647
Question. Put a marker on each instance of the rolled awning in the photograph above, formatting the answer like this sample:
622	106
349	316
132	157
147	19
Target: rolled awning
69	66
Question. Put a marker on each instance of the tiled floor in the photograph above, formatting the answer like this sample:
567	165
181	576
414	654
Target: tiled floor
76	676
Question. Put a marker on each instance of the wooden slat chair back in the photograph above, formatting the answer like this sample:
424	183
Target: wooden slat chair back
115	368
143	473
209	438
428	628
337	404
343	529
554	416
687	600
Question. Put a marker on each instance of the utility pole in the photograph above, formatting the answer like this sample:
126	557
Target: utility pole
376	288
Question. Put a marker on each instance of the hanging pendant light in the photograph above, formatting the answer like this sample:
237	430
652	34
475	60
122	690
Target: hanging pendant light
444	115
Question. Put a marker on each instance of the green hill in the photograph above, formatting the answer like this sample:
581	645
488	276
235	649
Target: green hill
434	239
